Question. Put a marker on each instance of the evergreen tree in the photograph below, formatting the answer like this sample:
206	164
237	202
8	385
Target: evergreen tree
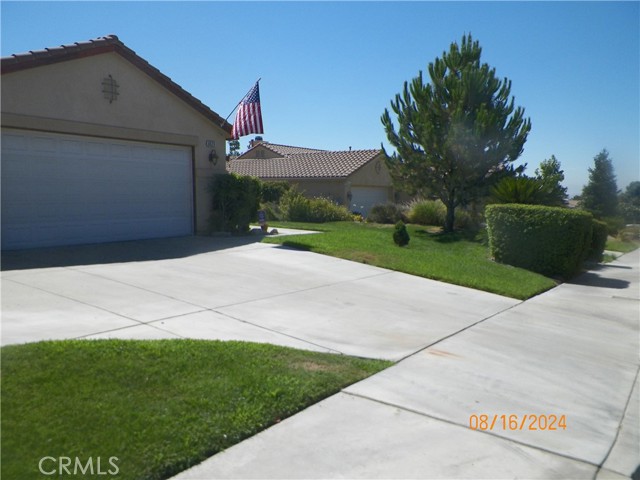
234	149
629	203
600	195
551	176
459	133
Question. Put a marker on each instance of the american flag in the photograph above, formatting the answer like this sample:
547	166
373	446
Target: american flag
249	116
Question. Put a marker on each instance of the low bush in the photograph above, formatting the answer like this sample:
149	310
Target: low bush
272	192
434	212
630	233
400	234
465	220
599	235
549	240
427	212
389	213
235	202
614	225
272	211
295	207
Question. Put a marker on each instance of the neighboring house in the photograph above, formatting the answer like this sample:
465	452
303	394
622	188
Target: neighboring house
98	145
357	179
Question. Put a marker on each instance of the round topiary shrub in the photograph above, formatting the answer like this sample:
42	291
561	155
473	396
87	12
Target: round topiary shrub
400	234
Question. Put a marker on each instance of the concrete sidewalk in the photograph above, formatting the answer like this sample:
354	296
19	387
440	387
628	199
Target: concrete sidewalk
572	353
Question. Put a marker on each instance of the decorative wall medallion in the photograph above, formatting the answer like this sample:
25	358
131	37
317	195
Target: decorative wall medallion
110	89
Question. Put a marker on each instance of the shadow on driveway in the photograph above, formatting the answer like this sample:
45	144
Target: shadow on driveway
120	252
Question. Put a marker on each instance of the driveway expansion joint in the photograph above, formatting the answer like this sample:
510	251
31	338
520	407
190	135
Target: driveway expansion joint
482	320
624	414
91	305
464	426
276	332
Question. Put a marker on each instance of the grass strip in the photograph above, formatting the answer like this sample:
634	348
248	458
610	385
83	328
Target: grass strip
623	246
457	258
159	407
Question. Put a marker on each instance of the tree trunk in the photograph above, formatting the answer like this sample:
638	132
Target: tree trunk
450	218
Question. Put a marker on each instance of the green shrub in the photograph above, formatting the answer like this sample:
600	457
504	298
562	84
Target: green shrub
326	210
599	236
630	233
272	210
614	225
427	212
386	213
548	240
400	234
526	190
293	205
235	202
465	220
434	212
522	190
296	207
272	192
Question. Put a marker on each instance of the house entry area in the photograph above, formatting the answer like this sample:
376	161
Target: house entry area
69	190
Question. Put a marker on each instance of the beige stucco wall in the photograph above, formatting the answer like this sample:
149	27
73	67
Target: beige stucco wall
333	189
67	97
370	175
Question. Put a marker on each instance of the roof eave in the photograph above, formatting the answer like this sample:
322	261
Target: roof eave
101	46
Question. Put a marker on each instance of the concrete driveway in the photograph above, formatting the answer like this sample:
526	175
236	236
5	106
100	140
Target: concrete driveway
225	288
572	351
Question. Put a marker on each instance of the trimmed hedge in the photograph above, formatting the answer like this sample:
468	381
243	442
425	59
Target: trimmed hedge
549	240
598	240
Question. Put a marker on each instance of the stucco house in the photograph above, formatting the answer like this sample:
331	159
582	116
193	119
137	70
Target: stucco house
358	179
98	145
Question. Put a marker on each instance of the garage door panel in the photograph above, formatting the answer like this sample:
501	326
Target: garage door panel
41	144
61	189
363	198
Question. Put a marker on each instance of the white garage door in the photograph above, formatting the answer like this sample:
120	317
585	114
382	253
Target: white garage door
65	190
366	197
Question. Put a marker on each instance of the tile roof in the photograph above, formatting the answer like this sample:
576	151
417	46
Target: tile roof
313	164
97	46
286	150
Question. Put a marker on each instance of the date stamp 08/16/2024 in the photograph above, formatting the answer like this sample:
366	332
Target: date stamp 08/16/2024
517	422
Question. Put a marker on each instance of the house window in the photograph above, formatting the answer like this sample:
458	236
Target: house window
110	89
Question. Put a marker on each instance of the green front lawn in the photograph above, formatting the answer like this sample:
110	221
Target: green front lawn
159	407
454	258
616	245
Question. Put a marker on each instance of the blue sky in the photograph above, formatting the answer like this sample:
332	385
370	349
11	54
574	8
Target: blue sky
329	69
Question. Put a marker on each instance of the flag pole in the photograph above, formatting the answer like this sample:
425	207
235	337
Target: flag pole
234	108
